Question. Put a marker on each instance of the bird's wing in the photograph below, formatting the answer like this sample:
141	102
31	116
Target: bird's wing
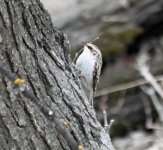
96	75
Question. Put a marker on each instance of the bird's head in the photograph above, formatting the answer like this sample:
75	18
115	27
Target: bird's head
93	49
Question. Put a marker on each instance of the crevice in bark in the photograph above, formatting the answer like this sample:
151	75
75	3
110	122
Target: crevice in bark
85	105
35	127
8	59
10	105
6	135
4	23
63	143
4	14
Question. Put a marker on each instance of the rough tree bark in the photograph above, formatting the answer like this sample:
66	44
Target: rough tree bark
33	49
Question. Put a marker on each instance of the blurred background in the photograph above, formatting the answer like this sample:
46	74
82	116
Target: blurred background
131	40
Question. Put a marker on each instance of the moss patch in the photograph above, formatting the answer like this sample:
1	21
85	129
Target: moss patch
115	39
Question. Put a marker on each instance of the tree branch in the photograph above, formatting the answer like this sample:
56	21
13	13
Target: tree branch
126	86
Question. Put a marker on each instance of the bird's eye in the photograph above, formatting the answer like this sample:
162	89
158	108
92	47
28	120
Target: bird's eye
90	47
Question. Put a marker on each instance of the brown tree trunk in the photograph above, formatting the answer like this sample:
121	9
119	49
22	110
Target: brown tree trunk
33	49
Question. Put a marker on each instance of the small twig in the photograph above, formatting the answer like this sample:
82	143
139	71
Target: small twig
60	127
111	123
151	93
144	69
125	86
155	127
120	103
150	78
106	125
147	109
149	124
103	107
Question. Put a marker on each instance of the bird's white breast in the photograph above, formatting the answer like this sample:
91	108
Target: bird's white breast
85	63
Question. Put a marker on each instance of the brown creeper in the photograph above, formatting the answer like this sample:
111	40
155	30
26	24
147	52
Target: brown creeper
90	62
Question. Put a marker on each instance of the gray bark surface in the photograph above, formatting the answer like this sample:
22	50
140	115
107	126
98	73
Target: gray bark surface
33	49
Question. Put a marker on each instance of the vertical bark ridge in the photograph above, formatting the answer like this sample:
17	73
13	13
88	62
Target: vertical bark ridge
33	49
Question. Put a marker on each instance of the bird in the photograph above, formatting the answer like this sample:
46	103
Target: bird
89	62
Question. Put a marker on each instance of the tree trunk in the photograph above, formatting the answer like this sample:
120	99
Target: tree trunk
34	50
